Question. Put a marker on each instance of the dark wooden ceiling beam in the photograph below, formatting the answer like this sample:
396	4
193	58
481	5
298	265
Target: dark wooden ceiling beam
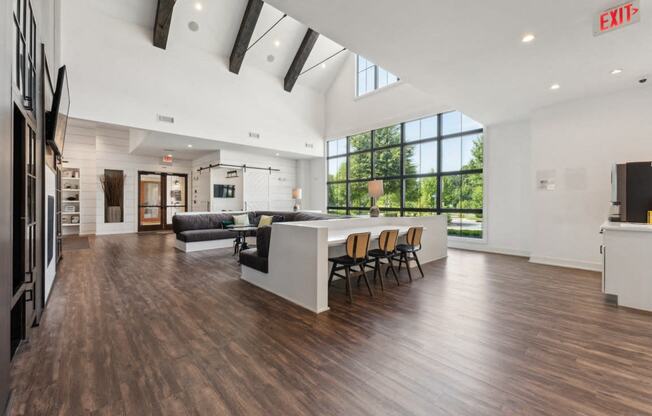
162	24
300	59
247	27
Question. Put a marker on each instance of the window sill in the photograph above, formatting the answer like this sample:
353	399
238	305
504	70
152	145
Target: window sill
379	90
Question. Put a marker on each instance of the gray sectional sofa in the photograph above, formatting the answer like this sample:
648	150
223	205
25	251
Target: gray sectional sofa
207	230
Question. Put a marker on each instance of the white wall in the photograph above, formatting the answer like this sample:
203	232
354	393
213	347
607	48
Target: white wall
507	191
94	149
311	178
579	141
200	195
117	76
347	114
218	177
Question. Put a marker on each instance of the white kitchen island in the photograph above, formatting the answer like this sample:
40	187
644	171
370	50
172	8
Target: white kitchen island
299	252
627	263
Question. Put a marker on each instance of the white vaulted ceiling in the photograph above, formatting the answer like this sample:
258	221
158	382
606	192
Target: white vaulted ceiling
219	21
469	54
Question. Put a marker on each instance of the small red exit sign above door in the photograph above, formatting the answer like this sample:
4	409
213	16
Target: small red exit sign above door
167	159
617	17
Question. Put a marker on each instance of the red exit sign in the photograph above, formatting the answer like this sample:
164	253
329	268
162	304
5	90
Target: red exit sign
617	17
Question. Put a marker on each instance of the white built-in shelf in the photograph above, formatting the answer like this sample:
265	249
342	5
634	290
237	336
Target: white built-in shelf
70	192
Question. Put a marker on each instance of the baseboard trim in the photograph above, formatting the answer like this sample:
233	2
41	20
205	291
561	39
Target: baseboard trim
568	263
488	249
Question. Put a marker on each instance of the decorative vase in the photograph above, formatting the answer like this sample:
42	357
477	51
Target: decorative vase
113	214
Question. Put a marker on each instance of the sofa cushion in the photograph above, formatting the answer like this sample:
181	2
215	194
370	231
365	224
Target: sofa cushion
193	236
313	216
279	216
264	221
263	239
241	220
250	258
204	221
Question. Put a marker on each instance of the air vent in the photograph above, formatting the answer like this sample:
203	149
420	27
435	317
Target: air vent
165	119
310	145
254	135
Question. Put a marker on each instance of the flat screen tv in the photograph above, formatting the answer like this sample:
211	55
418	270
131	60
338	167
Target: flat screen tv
223	191
57	118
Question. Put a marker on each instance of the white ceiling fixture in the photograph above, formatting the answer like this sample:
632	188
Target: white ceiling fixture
528	38
323	65
555	87
189	145
277	43
278	154
198	6
616	71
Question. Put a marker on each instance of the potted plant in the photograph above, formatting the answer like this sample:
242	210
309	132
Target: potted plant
113	187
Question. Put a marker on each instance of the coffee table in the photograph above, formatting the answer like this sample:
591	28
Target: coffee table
240	242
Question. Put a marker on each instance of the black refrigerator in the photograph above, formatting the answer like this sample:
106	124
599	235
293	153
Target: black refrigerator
631	187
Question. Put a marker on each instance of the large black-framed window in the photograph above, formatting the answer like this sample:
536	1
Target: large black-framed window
432	165
370	77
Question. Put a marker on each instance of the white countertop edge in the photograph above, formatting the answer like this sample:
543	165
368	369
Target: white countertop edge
626	226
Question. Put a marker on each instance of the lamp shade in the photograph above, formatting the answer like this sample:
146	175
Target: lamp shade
297	193
375	188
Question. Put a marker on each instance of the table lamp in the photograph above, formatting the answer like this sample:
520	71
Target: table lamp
376	190
296	195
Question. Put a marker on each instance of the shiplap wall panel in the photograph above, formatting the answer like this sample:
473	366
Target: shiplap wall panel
94	149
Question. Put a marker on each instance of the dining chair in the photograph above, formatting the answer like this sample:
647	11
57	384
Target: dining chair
357	247
407	252
386	251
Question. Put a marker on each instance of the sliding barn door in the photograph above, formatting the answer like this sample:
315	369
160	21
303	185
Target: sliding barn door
256	190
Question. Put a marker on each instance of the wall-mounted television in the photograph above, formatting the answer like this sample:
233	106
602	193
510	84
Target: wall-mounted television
223	191
57	118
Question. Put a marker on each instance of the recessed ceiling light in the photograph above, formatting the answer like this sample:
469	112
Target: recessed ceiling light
555	87
323	65
189	145
278	154
528	38
616	71
277	43
198	6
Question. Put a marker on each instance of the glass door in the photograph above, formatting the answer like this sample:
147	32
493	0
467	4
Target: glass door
175	196
160	197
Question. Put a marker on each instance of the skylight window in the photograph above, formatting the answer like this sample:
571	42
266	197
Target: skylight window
371	77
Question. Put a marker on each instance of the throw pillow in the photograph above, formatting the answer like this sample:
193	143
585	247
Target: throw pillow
241	220
225	224
265	220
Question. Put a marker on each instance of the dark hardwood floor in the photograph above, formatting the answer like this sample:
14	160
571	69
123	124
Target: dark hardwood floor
135	327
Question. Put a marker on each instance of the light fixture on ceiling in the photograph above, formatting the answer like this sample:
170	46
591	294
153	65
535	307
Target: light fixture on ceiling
555	87
278	154
616	71
198	6
529	37
277	43
189	145
323	65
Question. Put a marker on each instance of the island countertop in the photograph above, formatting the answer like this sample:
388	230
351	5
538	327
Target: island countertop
626	226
